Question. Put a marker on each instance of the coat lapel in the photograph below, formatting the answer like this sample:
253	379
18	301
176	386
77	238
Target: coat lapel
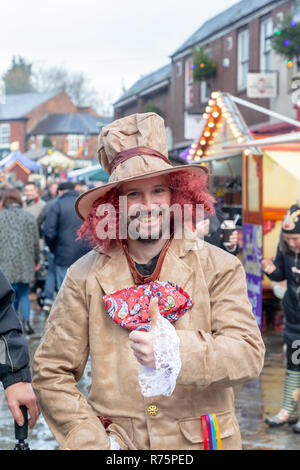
174	268
115	275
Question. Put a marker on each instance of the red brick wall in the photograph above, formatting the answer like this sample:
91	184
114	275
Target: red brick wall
60	103
160	98
18	133
87	110
177	102
61	143
226	79
126	110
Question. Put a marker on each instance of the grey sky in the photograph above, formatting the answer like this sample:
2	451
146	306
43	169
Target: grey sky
113	42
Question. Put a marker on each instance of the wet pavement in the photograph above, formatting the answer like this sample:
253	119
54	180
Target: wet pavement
254	401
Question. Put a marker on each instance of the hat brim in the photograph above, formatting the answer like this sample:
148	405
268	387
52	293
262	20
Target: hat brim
84	203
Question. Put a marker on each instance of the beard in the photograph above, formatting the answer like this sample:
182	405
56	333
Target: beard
148	230
146	239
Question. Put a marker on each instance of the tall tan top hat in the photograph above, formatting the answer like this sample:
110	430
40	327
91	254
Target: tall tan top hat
131	148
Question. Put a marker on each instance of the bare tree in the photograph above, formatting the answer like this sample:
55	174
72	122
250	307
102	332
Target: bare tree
75	84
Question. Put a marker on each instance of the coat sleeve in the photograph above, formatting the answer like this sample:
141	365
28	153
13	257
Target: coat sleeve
51	226
14	353
278	275
35	241
58	364
233	352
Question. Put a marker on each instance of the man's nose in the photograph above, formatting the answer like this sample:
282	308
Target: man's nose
148	202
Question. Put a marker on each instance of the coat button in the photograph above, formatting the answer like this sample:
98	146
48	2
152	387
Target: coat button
152	410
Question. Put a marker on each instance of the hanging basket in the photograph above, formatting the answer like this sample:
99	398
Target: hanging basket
203	65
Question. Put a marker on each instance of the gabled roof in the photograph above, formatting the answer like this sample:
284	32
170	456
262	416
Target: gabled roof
80	123
17	156
17	106
235	13
222	127
149	81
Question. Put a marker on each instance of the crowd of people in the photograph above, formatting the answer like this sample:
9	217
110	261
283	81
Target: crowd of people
38	241
164	319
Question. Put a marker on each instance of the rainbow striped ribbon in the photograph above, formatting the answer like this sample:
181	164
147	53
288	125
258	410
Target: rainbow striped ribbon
211	432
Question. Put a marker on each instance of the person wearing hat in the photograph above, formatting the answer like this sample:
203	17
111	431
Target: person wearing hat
286	266
60	230
164	317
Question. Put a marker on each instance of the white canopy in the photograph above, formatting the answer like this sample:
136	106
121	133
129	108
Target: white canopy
58	160
277	140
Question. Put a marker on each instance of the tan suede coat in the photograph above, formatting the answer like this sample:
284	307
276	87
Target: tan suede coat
220	346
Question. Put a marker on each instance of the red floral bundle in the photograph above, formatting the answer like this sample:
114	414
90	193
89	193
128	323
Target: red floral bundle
129	307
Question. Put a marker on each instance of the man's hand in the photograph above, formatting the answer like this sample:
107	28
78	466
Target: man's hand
141	342
18	394
202	228
268	266
233	240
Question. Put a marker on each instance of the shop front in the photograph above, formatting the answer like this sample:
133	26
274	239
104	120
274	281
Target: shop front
253	185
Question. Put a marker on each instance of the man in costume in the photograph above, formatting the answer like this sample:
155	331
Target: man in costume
163	316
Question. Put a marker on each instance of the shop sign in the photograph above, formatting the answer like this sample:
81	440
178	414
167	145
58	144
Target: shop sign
252	259
262	85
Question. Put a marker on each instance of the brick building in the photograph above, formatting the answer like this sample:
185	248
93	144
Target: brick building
27	118
75	134
238	41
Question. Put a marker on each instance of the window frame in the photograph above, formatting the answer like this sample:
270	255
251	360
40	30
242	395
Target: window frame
4	136
205	92
243	62
189	83
265	44
75	141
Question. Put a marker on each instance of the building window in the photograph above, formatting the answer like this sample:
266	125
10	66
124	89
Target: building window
189	95
178	69
4	135
243	59
75	144
265	44
204	92
279	18
229	43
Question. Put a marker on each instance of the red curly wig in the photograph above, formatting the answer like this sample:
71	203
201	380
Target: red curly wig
186	188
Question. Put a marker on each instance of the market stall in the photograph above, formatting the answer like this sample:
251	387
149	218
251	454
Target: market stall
256	180
91	173
57	160
16	163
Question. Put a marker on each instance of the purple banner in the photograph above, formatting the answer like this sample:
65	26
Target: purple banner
252	258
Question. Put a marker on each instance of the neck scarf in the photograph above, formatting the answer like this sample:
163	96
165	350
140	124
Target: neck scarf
138	278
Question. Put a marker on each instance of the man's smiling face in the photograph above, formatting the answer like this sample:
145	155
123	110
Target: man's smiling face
146	199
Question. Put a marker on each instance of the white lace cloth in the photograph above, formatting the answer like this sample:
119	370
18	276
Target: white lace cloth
113	444
162	379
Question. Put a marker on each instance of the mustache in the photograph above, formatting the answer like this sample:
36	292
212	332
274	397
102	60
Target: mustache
142	213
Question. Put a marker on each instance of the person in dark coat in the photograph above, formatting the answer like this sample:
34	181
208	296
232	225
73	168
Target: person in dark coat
15	372
60	231
49	287
286	266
